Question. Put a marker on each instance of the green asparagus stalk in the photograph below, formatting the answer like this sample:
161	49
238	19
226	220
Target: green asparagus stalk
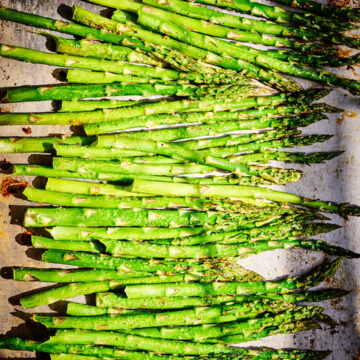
117	67
101	51
207	315
86	17
71	92
292	157
118	301
246	119
209	28
113	52
211	129
220	47
176	151
45	144
127	179
197	289
234	144
239	330
66	275
114	353
76	309
90	105
86	32
42	217
154	188
144	250
97	77
204	269
217	17
279	15
215	105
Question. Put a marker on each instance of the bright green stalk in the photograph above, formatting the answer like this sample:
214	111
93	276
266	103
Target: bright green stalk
239	330
87	188
234	144
101	51
127	179
105	352
90	105
75	309
217	17
162	107
250	70
145	250
196	289
97	77
292	157
207	315
126	167
246	117
212	29
177	151
46	144
118	301
218	128
41	242
205	268
79	91
241	191
66	275
86	32
220	47
279	15
42	217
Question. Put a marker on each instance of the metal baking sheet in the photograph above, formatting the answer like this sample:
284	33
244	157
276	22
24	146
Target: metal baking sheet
337	180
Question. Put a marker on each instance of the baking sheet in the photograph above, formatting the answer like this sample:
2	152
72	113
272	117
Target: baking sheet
337	180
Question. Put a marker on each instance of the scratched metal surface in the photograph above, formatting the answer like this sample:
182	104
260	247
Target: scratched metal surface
337	180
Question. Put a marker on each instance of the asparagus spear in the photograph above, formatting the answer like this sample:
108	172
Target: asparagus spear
154	188
45	144
207	315
220	47
113	52
129	178
176	151
132	342
239	330
101	51
215	105
70	28
222	268
144	250
76	309
90	105
122	278
97	77
112	352
250	70
211	129
279	15
292	157
247	118
66	275
196	289
118	301
218	17
40	217
209	28
71	92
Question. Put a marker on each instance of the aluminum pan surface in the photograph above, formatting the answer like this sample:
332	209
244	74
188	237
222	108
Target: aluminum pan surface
337	180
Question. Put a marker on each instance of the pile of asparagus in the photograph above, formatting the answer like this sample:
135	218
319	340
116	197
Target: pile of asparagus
161	197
